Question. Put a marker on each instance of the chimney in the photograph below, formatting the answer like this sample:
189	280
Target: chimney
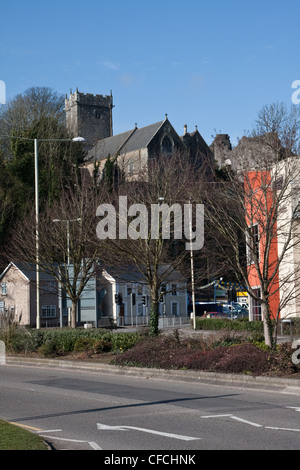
185	129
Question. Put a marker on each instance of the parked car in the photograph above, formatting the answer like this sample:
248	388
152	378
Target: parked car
239	311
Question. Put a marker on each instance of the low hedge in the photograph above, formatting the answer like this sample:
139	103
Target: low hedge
242	324
54	341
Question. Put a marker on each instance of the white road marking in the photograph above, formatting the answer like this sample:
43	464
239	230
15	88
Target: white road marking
61	438
95	446
105	427
92	444
215	416
282	429
234	417
296	408
247	422
50	430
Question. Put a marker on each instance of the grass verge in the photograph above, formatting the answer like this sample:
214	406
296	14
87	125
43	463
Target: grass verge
13	437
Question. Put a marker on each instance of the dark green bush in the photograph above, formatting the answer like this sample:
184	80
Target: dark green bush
93	345
242	324
83	344
67	340
49	349
102	345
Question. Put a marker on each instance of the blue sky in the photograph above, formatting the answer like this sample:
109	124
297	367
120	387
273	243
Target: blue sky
210	63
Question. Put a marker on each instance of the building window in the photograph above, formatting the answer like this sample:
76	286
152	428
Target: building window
140	309
174	289
174	309
4	288
48	311
166	145
253	243
129	289
130	168
50	286
256	306
97	114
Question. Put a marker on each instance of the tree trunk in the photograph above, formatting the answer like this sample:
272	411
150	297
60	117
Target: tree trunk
154	312
267	325
73	314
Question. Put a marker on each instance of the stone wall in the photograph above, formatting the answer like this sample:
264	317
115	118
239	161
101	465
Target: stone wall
89	116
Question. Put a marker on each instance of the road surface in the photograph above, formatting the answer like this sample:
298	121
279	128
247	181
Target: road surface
92	410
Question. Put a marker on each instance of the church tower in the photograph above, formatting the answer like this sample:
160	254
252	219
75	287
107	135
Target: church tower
89	116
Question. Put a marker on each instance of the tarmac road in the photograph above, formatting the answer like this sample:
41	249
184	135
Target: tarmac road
81	406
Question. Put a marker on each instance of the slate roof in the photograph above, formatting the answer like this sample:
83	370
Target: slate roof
28	270
134	275
126	142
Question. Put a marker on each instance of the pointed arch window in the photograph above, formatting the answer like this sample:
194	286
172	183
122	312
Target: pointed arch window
166	144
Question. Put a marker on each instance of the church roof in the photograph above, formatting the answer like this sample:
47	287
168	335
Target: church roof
126	142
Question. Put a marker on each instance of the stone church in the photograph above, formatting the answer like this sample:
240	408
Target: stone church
90	116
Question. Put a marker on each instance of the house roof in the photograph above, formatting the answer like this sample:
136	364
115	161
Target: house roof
129	141
28	270
134	275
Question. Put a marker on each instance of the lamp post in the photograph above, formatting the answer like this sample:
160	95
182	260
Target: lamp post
36	189
192	266
68	233
68	254
36	158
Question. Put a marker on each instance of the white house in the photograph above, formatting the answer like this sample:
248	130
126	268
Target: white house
127	299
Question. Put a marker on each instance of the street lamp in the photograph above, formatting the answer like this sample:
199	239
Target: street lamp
68	233
68	254
36	185
75	139
192	267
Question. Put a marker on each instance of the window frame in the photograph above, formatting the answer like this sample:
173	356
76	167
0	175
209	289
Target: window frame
4	288
49	311
165	148
255	305
175	302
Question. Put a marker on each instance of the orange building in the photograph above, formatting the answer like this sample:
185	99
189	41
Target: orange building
261	240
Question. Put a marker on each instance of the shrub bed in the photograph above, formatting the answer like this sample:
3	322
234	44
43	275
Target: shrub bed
226	350
238	357
61	341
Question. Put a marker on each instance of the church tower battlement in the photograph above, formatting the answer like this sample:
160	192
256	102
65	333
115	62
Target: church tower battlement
89	116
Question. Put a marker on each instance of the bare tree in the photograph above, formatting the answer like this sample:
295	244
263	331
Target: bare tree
150	235
280	128
34	104
67	247
254	213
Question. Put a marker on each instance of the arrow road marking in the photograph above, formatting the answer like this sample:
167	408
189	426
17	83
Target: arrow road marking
246	421
105	427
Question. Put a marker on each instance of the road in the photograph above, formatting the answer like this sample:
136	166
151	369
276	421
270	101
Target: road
92	410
